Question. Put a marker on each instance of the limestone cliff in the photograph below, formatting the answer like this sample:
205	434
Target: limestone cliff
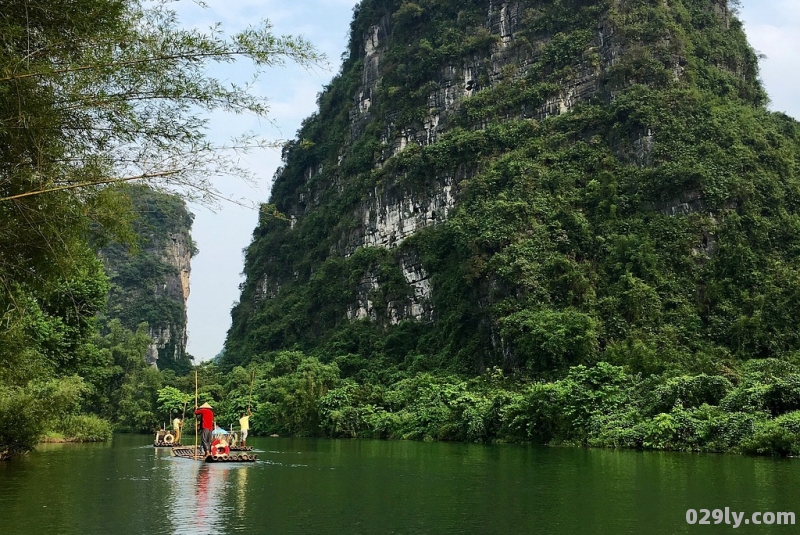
526	183
151	284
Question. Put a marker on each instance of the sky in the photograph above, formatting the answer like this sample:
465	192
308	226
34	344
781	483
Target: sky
223	234
772	26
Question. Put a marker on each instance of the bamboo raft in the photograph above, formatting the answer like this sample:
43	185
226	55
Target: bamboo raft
188	452
241	448
165	439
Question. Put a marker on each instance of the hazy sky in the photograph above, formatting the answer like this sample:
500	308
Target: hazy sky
773	27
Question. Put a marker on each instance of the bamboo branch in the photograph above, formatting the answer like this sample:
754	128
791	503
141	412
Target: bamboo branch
218	54
144	176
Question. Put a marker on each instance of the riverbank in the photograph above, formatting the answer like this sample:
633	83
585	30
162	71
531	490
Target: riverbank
79	428
53	437
56	438
752	408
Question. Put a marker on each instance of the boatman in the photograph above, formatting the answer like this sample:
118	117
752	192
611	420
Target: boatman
244	424
206	426
176	426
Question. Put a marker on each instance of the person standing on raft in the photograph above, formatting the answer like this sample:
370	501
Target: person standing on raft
206	426
176	426
244	425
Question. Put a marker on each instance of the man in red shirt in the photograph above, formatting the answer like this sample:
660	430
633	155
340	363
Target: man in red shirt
206	426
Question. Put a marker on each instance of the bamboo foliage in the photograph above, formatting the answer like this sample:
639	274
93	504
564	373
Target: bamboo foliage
94	94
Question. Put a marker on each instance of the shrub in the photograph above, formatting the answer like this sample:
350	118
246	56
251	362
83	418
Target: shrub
25	412
726	430
783	395
688	391
564	410
548	340
780	436
21	420
85	428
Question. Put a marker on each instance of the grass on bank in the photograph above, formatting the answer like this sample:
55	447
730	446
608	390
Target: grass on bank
79	428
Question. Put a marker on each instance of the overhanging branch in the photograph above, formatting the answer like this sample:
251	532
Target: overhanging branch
94	183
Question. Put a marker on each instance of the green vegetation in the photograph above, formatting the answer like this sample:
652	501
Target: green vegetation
146	283
626	270
95	94
622	274
84	428
751	410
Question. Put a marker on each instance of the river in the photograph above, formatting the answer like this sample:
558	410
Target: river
363	486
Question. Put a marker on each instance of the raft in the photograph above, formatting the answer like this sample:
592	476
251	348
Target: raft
187	452
165	439
241	448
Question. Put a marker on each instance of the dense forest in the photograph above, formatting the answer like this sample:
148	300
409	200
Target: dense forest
102	107
560	221
550	221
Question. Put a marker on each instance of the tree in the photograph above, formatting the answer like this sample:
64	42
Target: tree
95	93
172	400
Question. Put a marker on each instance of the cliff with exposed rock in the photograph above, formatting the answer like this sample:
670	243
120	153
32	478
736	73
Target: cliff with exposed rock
533	184
151	283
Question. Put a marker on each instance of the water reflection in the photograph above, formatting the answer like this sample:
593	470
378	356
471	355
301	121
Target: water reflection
316	486
197	504
208	519
241	495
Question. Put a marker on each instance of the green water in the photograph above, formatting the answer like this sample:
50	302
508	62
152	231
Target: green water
350	486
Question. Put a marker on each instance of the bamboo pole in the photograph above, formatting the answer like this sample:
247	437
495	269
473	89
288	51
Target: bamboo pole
183	417
195	416
249	412
252	379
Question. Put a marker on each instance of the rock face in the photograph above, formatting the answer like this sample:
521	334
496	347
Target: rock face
169	339
476	166
417	305
388	214
387	219
152	285
462	78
